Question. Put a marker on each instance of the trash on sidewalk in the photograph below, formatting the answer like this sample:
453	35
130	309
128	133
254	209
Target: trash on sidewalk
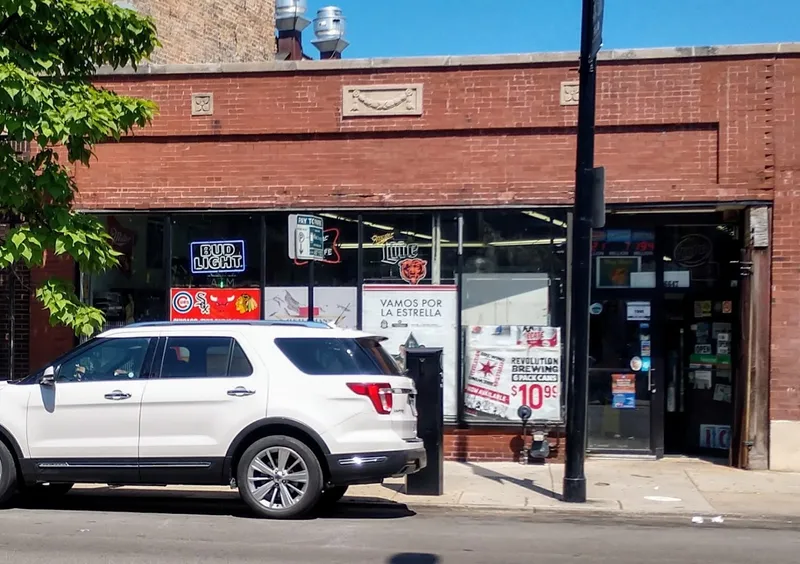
717	519
697	520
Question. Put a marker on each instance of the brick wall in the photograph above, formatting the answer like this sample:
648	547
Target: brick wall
669	130
212	31
783	137
47	342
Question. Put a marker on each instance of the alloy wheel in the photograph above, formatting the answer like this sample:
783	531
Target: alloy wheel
277	477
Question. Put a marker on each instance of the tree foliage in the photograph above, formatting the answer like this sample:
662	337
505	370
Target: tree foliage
49	50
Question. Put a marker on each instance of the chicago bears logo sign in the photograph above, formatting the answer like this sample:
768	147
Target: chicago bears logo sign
412	270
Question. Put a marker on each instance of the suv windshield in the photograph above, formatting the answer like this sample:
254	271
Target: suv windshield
331	356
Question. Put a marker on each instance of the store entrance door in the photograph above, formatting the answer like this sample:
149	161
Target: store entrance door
624	393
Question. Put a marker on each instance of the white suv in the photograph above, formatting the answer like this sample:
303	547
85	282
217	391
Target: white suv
290	413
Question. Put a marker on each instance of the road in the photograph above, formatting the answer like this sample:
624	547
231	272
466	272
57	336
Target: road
89	529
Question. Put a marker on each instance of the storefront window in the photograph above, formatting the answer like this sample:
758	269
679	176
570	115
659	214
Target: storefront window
335	277
624	258
135	291
511	309
398	248
216	251
216	267
700	256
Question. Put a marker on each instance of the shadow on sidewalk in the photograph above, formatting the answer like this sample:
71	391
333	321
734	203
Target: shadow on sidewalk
121	501
523	483
413	558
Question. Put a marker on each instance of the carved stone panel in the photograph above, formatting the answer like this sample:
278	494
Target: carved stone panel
569	93
202	104
382	100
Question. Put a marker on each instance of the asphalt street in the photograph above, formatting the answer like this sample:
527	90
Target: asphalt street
128	529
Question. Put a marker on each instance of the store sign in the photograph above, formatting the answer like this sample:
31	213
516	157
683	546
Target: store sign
623	242
416	316
511	366
404	255
693	251
306	237
330	250
623	391
211	304
217	257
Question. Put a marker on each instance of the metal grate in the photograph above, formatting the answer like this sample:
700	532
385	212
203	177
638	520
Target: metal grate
14	325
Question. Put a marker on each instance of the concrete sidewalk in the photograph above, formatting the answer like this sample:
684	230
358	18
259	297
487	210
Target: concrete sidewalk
623	487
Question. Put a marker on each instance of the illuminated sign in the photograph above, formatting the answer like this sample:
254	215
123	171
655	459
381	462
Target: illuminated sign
217	257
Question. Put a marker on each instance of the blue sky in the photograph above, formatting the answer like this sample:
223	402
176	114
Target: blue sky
399	28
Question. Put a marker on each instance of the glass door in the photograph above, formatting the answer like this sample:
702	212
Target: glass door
622	383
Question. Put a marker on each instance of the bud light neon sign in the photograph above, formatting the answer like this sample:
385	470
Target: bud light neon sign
217	257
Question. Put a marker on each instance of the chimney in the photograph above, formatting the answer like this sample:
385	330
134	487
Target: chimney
329	32
290	23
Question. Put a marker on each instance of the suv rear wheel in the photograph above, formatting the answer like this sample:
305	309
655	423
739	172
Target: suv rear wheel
8	474
279	477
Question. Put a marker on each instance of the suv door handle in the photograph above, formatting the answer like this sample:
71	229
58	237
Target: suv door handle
240	391
117	395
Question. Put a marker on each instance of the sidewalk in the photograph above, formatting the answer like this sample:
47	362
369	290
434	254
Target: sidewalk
627	488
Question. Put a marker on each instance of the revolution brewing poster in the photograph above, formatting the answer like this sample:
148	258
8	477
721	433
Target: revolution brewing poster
416	316
507	366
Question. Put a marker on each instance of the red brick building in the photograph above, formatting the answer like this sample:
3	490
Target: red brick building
696	290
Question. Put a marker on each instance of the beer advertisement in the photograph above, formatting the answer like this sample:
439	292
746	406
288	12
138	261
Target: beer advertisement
508	366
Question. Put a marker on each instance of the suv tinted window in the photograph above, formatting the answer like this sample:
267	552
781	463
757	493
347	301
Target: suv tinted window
204	357
327	356
109	359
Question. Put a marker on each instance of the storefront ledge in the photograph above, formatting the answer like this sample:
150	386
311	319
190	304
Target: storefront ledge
457	61
784	446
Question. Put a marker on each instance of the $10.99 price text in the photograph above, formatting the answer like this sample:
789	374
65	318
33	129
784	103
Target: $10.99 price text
533	395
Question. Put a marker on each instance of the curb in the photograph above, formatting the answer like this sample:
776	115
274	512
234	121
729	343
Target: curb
582	515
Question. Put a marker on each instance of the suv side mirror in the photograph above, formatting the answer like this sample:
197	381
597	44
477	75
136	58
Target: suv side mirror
48	377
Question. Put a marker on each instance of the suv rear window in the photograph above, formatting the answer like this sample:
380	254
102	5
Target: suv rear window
327	356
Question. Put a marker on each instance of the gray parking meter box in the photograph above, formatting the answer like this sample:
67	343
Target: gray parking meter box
425	368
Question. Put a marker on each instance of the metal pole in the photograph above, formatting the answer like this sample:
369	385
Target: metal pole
574	477
360	274
311	290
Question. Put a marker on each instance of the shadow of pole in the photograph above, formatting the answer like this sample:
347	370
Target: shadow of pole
413	558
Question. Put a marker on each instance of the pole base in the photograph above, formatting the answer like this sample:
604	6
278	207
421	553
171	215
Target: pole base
575	490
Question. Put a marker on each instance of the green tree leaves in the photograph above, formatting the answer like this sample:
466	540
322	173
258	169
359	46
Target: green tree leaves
49	50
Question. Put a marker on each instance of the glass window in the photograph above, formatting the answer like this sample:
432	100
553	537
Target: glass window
512	310
335	277
204	357
216	251
240	365
398	248
700	256
134	291
321	357
109	359
624	258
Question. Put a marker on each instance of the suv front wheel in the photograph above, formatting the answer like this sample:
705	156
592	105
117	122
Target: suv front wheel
279	477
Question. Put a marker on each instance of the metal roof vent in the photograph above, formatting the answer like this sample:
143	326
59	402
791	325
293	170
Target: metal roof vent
289	15
329	27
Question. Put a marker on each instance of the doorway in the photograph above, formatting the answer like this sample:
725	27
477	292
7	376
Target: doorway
663	335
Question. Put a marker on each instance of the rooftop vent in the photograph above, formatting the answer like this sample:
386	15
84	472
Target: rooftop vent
329	27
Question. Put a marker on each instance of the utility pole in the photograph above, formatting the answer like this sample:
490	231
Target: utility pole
587	191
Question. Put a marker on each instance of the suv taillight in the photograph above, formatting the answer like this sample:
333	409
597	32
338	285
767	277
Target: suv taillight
379	394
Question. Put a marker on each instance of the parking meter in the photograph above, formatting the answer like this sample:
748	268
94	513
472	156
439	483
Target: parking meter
425	368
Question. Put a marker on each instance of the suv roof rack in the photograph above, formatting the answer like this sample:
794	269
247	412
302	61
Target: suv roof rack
267	323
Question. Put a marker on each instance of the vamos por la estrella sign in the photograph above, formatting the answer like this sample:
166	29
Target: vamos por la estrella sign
512	365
